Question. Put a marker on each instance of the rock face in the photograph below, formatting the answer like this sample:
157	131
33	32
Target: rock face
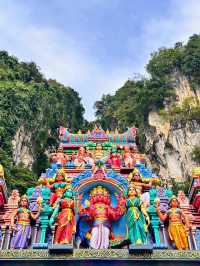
22	149
169	149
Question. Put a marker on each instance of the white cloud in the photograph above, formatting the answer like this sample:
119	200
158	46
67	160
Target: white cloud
182	21
58	56
61	57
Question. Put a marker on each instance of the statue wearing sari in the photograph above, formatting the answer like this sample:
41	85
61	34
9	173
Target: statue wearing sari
137	218
65	219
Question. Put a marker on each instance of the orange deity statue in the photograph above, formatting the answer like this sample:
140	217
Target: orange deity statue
178	231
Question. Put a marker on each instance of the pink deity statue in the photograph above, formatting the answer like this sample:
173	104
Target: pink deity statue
14	198
59	157
184	204
183	200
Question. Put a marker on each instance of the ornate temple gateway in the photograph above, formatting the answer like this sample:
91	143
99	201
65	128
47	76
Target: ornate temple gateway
99	200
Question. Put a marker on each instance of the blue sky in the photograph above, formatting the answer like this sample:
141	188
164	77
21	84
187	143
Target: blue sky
94	46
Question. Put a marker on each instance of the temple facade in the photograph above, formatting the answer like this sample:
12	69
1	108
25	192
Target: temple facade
99	194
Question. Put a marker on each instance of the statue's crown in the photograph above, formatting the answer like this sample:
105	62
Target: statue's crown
99	190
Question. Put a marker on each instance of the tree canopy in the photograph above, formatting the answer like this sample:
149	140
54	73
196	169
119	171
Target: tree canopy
38	105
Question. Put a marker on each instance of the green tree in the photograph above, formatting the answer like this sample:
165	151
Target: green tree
38	106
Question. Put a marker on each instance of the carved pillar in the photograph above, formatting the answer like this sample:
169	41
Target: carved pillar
8	238
155	225
53	233
34	233
44	225
44	221
164	233
44	193
155	221
3	230
193	232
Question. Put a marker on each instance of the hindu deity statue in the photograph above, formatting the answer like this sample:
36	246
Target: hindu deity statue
70	162
98	153
115	158
22	228
59	186
128	159
80	158
89	159
64	217
100	212
99	170
59	157
183	200
178	231
137	218
136	179
138	158
14	199
184	205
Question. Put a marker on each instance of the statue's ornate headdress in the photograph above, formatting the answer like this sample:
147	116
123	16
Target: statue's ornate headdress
62	173
99	190
60	149
135	171
68	193
172	198
99	194
24	197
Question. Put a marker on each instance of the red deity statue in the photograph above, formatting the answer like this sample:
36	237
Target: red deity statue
101	213
64	217
115	159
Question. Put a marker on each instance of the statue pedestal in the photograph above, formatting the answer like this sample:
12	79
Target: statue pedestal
60	248
160	246
40	245
140	249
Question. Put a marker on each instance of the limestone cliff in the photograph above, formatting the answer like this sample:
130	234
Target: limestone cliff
22	150
169	148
